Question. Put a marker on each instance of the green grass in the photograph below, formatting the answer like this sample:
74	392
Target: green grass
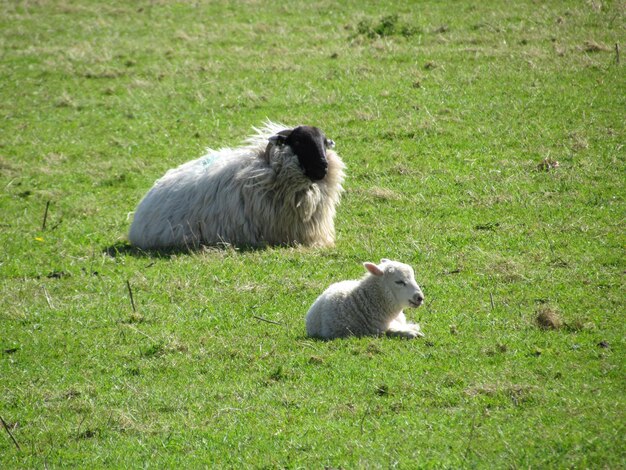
444	113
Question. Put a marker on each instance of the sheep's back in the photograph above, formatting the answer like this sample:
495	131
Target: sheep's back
177	208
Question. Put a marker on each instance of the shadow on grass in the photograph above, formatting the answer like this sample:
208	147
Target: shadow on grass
124	248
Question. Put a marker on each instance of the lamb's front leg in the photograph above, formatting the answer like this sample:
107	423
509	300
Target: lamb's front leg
400	327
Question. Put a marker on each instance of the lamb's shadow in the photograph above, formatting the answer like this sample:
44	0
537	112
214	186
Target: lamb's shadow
124	248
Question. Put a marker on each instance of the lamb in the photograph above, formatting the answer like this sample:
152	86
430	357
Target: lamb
281	188
370	306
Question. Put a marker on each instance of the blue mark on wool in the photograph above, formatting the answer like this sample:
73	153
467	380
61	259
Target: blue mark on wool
208	160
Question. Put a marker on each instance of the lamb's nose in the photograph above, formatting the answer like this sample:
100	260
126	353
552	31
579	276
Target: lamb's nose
419	298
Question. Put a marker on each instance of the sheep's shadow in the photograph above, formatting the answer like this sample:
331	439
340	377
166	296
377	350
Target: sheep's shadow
123	248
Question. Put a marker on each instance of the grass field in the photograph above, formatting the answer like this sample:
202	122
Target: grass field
485	146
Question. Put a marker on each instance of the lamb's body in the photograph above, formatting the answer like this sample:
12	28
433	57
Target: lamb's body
253	195
371	306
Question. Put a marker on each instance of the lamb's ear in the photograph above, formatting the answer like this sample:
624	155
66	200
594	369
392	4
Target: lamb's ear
372	268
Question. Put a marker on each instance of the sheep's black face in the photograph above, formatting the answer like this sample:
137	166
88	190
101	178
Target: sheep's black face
309	144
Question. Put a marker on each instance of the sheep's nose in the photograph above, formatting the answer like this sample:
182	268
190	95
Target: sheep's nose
418	298
318	172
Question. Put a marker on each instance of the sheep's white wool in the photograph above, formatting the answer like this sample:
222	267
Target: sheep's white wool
370	306
241	196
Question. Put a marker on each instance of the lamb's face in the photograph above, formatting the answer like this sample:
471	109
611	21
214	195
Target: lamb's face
310	145
403	285
400	280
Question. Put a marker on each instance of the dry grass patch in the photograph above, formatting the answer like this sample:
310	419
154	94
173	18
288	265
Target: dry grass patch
548	318
377	193
516	392
594	46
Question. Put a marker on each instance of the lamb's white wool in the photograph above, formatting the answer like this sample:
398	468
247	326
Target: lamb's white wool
370	306
279	188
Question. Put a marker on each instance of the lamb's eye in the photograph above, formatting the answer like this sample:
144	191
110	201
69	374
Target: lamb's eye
401	283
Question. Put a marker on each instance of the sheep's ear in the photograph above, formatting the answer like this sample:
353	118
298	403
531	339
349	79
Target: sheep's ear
277	139
281	137
372	268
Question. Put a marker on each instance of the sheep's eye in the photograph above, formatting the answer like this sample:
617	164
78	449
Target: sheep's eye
401	283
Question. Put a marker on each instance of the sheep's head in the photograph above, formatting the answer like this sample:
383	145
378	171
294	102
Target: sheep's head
310	145
399	279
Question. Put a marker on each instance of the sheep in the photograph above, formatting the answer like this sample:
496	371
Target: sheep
370	306
280	188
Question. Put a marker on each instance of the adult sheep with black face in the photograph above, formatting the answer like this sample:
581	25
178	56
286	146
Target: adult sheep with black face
281	188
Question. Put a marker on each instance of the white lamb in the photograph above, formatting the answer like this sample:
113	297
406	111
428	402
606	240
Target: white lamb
281	188
370	306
